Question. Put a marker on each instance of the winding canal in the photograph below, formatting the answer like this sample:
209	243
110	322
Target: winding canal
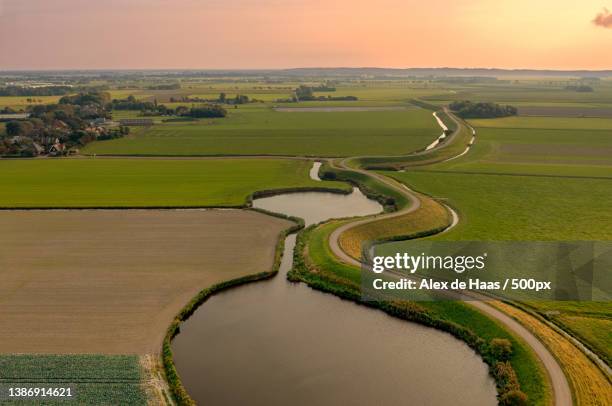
276	343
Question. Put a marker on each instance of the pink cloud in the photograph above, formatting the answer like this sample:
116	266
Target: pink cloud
603	19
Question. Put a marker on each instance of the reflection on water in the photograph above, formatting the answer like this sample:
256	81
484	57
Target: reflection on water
278	343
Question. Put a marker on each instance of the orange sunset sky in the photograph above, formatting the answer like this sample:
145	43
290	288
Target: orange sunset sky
217	34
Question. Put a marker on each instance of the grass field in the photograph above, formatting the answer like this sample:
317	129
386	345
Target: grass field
536	151
146	182
255	129
502	207
94	379
554	123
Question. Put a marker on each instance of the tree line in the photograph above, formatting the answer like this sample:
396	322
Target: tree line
152	109
35	91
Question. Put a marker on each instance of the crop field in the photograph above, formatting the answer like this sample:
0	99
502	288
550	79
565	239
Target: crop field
21	102
121	277
259	130
147	182
94	379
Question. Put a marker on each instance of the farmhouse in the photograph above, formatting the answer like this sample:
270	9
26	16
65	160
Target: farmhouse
136	122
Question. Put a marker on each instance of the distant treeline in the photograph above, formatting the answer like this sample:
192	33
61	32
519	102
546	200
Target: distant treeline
171	86
468	109
154	109
222	99
35	91
579	88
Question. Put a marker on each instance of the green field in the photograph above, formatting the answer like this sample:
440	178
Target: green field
554	123
259	130
569	152
146	182
502	207
94	379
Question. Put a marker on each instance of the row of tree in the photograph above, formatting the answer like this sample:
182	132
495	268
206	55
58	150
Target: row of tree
152	109
35	91
579	88
468	109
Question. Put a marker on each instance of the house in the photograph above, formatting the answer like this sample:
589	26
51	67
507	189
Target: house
57	148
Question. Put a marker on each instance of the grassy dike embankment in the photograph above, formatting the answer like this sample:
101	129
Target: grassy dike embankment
316	265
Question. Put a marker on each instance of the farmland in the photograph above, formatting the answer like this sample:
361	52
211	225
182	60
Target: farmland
259	130
543	175
94	379
122	276
146	182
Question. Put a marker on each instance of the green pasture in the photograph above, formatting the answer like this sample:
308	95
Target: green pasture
538	151
508	207
511	92
555	123
259	130
146	182
503	207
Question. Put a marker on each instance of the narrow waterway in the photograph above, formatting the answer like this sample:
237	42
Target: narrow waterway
278	343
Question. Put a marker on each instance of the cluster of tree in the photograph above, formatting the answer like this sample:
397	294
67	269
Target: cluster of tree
35	91
238	99
468	109
57	128
131	103
209	111
579	88
306	93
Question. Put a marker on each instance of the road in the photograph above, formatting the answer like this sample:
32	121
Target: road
561	389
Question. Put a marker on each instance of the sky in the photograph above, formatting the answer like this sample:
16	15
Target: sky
265	34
